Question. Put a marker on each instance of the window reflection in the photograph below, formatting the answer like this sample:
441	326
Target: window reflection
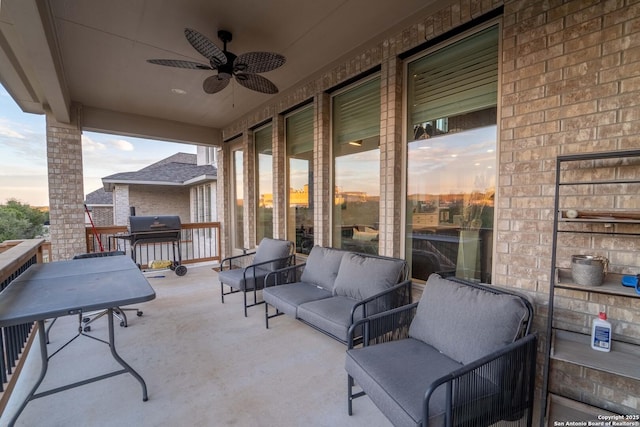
301	204
264	178
238	196
299	138
450	203
356	209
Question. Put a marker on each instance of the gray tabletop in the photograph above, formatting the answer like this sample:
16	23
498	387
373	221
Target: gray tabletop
67	287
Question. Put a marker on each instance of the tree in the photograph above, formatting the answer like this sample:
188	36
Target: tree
20	221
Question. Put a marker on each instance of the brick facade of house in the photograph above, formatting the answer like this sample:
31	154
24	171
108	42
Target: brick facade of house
569	83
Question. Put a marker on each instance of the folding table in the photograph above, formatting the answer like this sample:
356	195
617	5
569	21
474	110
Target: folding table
63	288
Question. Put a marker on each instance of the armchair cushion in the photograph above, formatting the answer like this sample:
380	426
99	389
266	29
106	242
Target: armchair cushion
237	279
361	277
269	249
287	298
395	375
481	322
322	267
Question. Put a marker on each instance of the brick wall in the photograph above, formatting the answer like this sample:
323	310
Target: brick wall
150	201
569	83
102	216
121	205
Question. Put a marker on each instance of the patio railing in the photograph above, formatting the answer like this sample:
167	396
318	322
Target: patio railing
199	242
15	257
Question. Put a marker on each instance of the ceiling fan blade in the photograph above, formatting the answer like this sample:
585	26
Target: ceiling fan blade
205	46
257	83
258	62
214	84
180	64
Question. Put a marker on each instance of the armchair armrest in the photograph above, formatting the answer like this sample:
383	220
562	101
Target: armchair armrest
385	300
289	259
284	275
509	371
386	326
233	258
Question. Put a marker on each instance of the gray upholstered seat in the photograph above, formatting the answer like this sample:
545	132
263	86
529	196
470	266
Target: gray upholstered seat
289	296
330	315
244	279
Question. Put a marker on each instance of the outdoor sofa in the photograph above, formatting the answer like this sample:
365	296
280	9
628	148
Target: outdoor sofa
335	288
462	356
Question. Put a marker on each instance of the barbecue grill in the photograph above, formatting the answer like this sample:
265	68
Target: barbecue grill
157	229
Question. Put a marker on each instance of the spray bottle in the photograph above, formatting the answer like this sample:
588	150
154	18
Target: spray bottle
601	333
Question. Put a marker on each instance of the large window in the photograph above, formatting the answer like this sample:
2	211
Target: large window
451	164
356	168
264	182
299	140
237	196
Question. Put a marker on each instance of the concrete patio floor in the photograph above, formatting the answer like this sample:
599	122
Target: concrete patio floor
204	363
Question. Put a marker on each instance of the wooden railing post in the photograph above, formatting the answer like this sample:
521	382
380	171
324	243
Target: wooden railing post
15	341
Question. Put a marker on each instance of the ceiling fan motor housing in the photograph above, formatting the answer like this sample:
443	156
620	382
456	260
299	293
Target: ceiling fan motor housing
225	70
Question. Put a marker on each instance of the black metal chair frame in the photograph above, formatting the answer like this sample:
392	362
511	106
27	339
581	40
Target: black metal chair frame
288	261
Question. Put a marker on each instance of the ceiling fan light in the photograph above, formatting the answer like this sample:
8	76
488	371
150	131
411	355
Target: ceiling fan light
223	75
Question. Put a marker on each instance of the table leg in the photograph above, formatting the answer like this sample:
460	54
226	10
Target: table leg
42	333
112	346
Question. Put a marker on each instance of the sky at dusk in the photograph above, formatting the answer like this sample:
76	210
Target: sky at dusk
23	155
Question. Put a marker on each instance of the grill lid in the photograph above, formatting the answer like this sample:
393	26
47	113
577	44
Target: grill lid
146	224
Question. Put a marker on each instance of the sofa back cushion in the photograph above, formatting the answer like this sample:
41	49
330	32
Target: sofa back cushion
322	267
269	249
466	323
361	276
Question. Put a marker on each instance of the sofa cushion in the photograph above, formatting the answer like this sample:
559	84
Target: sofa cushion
360	277
237	279
331	315
269	249
480	321
396	376
322	267
287	298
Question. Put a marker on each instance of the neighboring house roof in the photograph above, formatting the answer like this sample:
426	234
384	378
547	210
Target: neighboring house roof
99	197
181	169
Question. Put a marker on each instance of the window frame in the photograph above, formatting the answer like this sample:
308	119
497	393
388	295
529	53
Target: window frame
405	127
332	171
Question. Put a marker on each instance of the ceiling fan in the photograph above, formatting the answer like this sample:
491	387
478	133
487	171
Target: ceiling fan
243	67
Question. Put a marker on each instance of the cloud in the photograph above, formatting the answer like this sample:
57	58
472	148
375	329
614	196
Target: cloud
89	145
122	144
7	132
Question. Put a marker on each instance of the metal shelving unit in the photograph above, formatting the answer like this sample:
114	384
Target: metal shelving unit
573	346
